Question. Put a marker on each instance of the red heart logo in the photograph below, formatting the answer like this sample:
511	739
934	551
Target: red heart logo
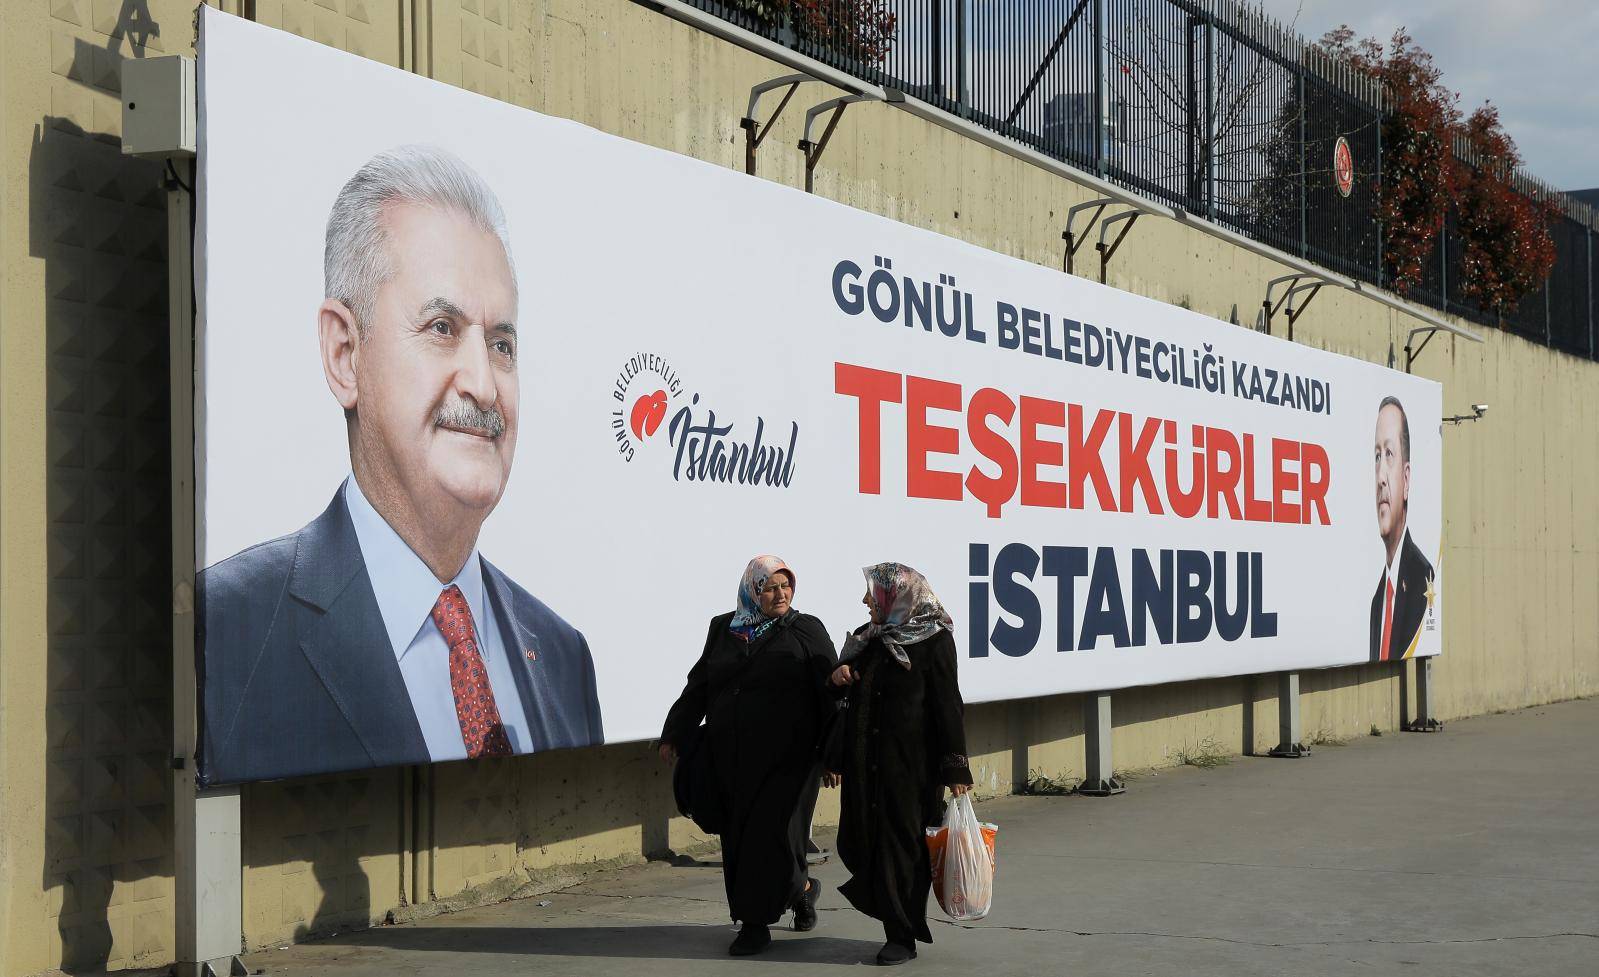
648	412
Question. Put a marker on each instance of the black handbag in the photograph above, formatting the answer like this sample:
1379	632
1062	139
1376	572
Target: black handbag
694	784
830	748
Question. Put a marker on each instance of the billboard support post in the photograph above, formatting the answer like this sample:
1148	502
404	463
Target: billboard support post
208	918
1098	779
1289	737
207	860
1424	722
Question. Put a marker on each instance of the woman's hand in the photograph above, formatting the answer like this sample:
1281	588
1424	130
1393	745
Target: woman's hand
959	789
831	779
668	753
842	675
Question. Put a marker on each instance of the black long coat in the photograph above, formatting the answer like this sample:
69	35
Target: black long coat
763	703
904	740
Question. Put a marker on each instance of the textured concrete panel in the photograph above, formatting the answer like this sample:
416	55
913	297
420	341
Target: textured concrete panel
319	854
371	28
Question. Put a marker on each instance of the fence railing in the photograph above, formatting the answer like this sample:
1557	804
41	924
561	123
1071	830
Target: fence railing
1198	104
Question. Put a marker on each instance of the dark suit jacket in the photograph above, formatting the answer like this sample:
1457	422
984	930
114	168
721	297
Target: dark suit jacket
1410	601
298	675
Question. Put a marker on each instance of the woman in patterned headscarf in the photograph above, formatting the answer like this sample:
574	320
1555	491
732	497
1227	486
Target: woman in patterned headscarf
761	687
904	741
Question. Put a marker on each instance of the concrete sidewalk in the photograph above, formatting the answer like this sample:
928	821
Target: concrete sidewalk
1473	851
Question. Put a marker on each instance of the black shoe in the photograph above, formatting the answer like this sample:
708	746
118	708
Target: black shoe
893	954
752	939
805	907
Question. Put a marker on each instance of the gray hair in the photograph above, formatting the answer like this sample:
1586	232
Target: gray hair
356	260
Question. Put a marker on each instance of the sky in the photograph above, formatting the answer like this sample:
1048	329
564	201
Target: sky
1534	59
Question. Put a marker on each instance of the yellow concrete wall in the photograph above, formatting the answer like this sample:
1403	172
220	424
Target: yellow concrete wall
85	639
85	830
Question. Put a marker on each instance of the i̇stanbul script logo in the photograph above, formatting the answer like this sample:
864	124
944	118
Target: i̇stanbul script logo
702	446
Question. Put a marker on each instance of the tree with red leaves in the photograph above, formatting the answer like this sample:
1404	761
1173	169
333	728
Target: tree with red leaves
1508	252
1419	171
854	30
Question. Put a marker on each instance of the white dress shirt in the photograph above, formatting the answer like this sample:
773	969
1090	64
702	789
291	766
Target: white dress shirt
406	591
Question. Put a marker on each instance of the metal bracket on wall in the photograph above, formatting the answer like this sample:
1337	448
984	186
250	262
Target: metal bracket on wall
1293	285
1076	239
1411	350
755	131
813	149
1107	252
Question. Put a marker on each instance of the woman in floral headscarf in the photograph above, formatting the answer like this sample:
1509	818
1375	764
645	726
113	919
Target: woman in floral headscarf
904	741
761	687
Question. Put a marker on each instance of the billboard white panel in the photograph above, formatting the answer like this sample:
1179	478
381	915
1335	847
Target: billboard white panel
1105	490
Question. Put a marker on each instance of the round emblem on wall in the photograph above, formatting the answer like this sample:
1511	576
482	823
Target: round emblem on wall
1343	167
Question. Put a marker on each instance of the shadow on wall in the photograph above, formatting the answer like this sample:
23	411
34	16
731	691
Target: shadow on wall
307	845
98	223
97	227
337	852
1023	724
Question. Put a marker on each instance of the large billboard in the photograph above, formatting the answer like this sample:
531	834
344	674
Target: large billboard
493	408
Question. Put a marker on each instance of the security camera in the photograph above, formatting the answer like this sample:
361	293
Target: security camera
1477	410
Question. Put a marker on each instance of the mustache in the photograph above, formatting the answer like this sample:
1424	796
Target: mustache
470	417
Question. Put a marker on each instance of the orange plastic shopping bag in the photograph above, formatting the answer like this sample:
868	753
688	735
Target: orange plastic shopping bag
962	853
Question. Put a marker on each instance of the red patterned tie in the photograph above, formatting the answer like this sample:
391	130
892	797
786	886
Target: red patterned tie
481	729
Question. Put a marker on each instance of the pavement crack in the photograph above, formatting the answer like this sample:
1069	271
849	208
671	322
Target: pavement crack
1256	943
648	895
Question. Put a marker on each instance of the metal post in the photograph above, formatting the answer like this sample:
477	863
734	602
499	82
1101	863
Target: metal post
1098	779
1210	120
1424	723
1443	263
1288	729
1378	202
207	859
961	94
1588	231
1101	94
1304	172
1192	192
1548	316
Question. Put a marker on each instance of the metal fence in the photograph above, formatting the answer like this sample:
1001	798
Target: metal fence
1198	104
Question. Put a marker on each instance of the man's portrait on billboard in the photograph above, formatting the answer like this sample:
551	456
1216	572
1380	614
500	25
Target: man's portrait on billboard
377	634
1404	591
